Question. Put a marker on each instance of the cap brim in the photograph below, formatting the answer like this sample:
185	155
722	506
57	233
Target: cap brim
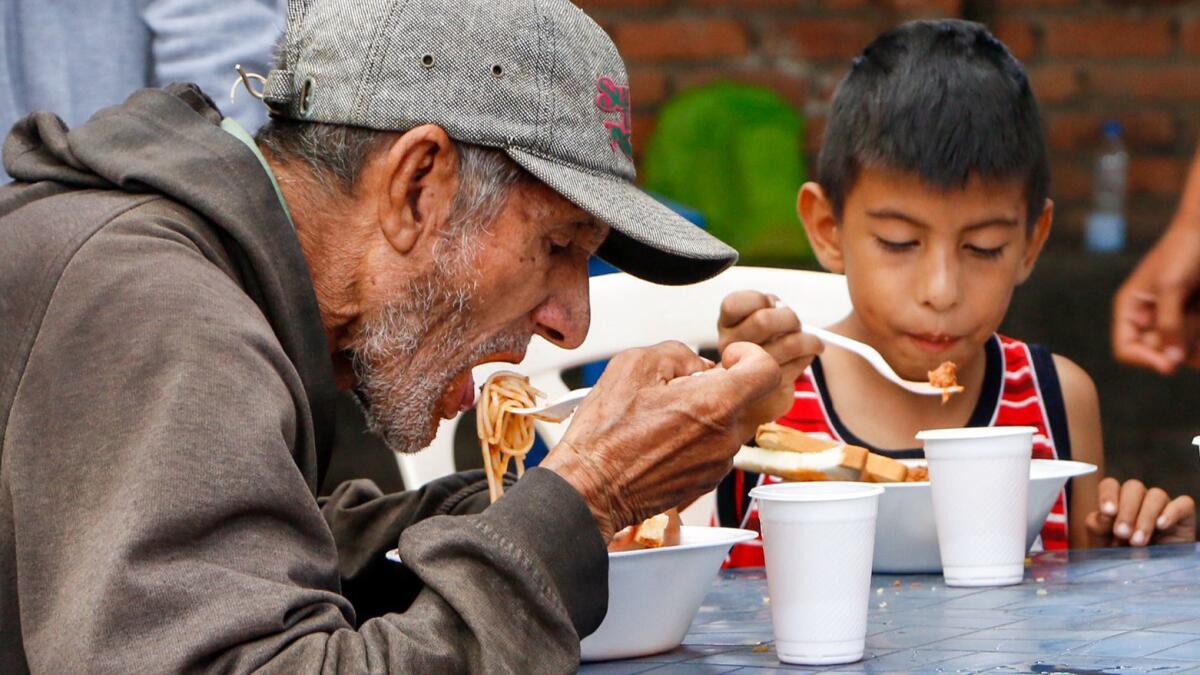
647	240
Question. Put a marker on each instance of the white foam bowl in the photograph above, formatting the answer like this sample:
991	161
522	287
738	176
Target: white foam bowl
906	536
654	594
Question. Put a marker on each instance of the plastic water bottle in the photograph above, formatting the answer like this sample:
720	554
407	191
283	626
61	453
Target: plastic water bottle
1106	223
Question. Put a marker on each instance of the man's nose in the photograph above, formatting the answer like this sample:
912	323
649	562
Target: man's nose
563	318
939	280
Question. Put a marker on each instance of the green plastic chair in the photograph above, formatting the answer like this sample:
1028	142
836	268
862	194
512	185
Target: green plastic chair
733	152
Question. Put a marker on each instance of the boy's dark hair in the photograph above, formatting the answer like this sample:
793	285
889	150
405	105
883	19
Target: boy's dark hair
943	99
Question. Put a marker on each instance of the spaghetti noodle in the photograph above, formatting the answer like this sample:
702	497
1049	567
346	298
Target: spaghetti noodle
504	436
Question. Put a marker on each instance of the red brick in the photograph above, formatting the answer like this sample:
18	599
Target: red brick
828	38
1106	36
1189	36
1156	82
1070	179
1009	4
588	5
643	129
741	4
1054	83
1156	175
1147	217
940	8
1070	215
1081	131
680	38
1017	36
793	88
647	86
827	82
1150	128
814	130
1071	131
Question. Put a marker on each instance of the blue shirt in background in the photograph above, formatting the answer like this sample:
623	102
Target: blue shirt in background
74	57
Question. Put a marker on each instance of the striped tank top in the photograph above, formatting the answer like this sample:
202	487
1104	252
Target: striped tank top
1020	388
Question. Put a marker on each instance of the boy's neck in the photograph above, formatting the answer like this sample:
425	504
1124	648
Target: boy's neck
859	393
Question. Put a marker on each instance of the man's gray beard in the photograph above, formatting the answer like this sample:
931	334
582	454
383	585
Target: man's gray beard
409	352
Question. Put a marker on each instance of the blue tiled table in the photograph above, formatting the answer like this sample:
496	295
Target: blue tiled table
1118	611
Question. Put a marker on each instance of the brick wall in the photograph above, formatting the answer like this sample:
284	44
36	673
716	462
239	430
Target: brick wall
1137	61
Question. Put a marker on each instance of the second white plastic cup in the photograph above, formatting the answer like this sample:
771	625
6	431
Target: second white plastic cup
819	539
979	481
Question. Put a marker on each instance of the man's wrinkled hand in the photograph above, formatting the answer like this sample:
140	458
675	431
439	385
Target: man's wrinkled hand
651	436
758	318
1128	514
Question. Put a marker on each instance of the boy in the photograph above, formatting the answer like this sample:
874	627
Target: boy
932	200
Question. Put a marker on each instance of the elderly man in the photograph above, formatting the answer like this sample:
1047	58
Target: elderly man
179	302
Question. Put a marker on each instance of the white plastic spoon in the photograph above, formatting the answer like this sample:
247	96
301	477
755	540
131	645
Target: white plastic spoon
876	360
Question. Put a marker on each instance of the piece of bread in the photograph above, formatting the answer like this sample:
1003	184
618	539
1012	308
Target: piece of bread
664	529
917	474
794	455
880	469
652	531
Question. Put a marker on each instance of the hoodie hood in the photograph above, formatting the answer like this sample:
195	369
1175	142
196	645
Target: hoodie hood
169	142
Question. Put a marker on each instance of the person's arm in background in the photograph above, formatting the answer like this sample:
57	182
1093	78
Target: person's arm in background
201	41
1156	313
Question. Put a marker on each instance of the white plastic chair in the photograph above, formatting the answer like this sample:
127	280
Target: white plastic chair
628	312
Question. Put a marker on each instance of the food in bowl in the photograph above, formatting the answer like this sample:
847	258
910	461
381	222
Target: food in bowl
905	534
653	532
654	593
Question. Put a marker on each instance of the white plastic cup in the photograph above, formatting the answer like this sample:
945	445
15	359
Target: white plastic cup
979	481
819	539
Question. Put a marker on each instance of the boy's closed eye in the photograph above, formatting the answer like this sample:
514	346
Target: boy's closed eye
896	246
984	251
981	250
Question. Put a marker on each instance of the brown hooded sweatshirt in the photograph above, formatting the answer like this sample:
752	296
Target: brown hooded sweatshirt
166	401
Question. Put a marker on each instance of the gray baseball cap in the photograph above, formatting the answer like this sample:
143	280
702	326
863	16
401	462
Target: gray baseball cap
536	78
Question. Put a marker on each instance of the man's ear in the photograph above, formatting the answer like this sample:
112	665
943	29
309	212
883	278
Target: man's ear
413	183
1035	240
824	233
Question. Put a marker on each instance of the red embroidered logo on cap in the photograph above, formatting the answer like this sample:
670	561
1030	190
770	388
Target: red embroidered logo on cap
612	97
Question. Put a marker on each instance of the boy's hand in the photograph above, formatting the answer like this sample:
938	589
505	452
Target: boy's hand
750	316
1131	515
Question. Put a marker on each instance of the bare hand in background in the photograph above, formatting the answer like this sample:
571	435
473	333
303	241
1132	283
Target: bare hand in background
1156	313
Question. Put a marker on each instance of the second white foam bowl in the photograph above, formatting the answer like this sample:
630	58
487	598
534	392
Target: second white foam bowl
906	536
